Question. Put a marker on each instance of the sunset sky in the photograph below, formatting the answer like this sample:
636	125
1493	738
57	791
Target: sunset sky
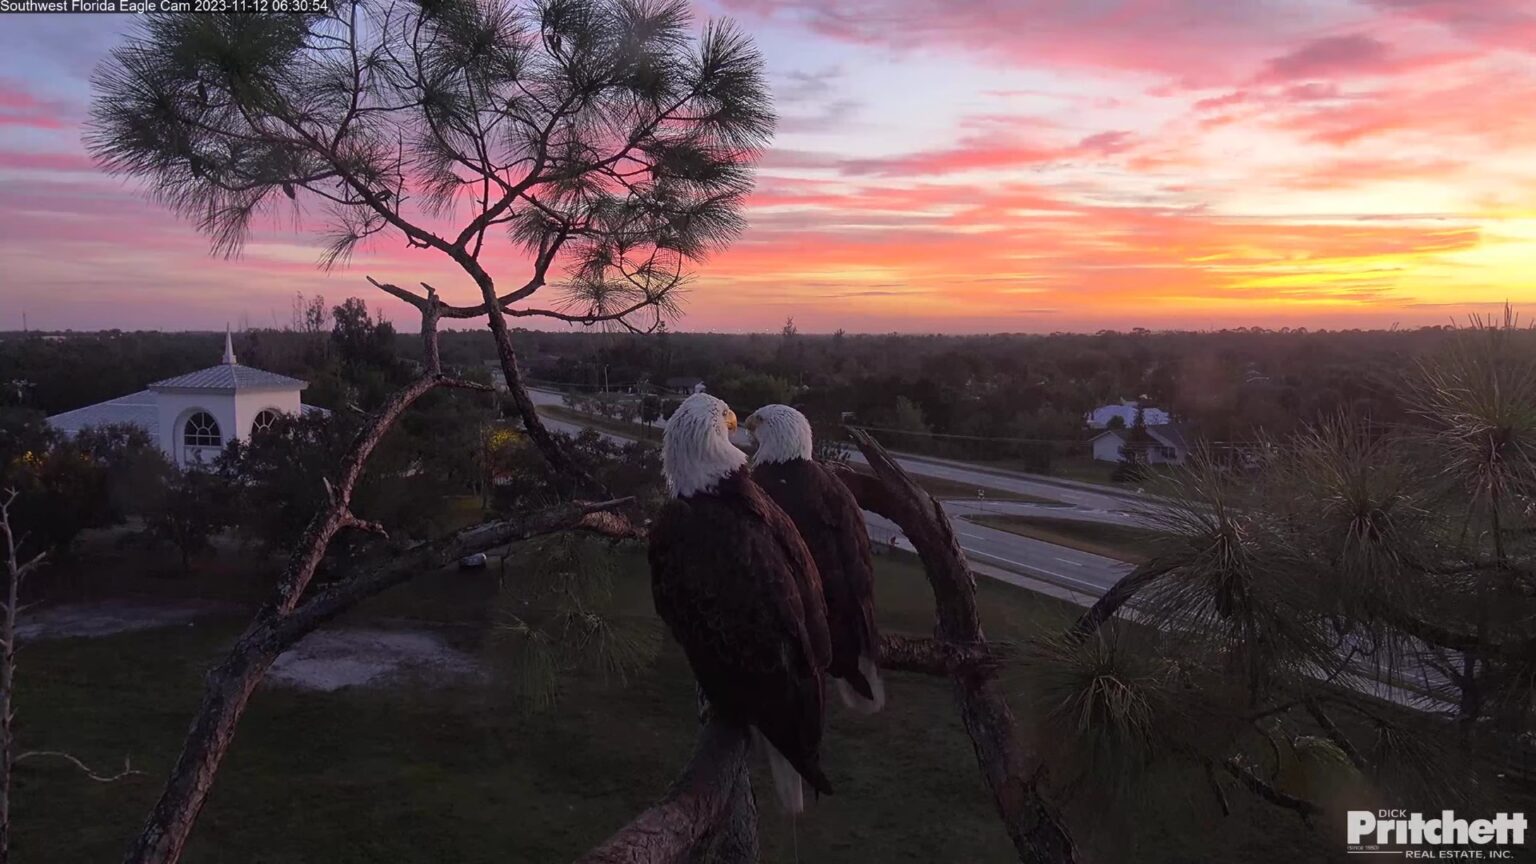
956	166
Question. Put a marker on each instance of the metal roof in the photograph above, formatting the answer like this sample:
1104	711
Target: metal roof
1167	434
230	376
1171	434
135	409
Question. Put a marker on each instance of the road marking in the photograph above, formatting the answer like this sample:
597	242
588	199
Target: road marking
1098	589
1073	563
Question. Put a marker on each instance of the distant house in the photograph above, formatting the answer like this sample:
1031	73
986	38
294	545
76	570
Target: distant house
684	385
193	416
498	375
1104	416
1168	446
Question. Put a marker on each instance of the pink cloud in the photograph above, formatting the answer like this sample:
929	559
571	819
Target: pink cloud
971	154
35	121
1509	24
1107	143
1194	42
990	151
27	161
1328	57
1355	171
1490	108
20	107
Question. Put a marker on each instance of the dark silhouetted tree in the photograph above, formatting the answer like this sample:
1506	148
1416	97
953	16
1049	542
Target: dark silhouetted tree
596	137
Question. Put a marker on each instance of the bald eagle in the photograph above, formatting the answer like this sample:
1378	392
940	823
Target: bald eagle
829	519
738	589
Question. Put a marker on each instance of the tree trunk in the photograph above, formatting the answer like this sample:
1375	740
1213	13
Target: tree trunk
555	454
227	689
669	832
734	838
7	683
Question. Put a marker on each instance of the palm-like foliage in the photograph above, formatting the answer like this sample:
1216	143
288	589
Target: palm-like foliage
598	132
1231	587
1381	576
1107	706
553	620
1479	403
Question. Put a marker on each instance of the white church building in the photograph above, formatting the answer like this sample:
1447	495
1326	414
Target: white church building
195	415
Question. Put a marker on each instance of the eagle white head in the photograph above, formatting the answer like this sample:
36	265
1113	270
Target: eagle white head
696	448
781	432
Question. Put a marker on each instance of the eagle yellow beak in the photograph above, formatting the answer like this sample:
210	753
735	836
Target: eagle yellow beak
730	420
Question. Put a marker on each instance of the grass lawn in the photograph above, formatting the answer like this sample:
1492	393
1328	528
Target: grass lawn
1120	542
416	775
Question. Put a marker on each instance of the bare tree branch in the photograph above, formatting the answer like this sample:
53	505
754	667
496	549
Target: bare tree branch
15	571
1118	595
1256	785
1335	734
934	657
323	527
1036	828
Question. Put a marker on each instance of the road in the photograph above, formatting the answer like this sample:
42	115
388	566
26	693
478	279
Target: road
1034	564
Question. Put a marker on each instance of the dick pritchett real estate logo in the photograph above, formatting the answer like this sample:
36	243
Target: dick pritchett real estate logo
1445	837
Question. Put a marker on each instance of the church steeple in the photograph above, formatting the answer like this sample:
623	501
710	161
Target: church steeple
229	348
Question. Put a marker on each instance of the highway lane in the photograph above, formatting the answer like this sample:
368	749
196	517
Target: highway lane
1080	577
971	507
1007	481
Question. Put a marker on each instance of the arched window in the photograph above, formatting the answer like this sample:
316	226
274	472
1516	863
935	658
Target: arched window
203	431
265	420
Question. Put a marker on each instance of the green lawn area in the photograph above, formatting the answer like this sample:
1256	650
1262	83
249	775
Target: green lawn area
1120	542
1088	470
461	775
1085	470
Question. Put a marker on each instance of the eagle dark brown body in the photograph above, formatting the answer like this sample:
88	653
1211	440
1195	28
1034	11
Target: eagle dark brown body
829	519
739	590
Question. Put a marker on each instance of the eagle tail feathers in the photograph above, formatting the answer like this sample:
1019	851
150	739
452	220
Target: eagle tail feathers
788	781
863	691
876	683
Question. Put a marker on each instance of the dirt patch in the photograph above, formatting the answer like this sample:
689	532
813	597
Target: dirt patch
332	659
90	620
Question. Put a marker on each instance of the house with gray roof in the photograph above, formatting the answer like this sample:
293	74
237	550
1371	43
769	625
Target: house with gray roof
194	416
1165	444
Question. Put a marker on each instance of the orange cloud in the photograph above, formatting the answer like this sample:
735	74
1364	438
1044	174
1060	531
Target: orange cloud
1038	165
